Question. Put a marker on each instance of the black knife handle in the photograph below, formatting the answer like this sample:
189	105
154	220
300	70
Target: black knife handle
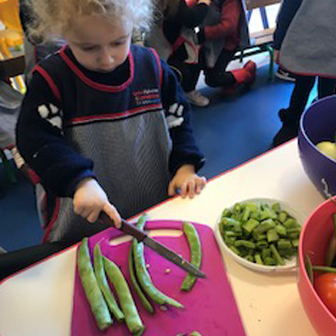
127	228
132	230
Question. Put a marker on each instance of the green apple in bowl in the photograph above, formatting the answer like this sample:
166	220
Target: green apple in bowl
328	148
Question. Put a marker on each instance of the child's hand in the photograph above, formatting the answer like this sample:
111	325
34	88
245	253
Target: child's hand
90	200
187	181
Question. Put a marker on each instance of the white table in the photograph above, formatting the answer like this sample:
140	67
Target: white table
38	301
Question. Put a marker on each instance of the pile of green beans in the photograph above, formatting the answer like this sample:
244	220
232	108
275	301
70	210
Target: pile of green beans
261	233
98	291
99	294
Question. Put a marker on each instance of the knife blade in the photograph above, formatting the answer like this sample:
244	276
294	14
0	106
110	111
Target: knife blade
162	250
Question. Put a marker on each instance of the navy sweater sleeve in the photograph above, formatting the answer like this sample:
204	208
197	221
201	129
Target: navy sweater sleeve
286	14
178	112
42	145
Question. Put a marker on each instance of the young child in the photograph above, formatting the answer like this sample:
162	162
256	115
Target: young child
304	45
104	124
174	38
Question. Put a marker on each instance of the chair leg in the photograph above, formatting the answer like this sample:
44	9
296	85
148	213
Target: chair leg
10	174
271	64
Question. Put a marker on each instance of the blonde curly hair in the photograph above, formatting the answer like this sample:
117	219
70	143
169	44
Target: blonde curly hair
52	18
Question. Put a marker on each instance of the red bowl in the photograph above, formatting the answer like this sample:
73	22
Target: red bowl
314	238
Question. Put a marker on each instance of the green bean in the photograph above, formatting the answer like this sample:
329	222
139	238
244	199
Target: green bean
270	261
266	252
276	207
281	230
244	243
147	305
272	235
128	307
142	221
246	214
103	284
145	302
258	259
254	226
195	254
250	225
145	279
277	255
290	223
262	244
284	244
142	274
91	288
309	269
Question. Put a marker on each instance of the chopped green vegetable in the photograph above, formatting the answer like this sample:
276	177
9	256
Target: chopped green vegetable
260	232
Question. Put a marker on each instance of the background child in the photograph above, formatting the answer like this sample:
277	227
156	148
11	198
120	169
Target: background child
304	44
175	40
34	50
223	32
104	123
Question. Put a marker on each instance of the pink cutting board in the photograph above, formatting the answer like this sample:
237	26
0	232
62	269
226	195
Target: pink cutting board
209	308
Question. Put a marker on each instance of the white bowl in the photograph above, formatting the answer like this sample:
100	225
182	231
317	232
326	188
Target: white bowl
290	264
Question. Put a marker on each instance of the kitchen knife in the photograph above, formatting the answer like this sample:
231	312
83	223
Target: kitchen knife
165	252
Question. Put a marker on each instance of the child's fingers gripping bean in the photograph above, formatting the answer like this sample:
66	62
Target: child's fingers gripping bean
195	254
147	305
103	284
91	288
128	307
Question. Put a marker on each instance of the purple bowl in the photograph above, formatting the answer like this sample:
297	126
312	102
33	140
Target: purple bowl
318	123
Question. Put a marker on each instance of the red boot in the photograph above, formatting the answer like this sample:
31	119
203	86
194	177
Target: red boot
245	76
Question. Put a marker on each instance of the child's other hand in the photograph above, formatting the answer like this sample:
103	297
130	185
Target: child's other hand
187	181
90	200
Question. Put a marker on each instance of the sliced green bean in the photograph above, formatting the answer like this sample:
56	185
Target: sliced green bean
195	254
258	259
250	225
103	284
90	285
128	307
277	255
146	304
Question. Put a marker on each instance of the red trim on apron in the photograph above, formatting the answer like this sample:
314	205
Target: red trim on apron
50	81
102	87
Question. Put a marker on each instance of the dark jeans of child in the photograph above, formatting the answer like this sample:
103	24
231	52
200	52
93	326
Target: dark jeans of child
214	77
290	117
303	87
